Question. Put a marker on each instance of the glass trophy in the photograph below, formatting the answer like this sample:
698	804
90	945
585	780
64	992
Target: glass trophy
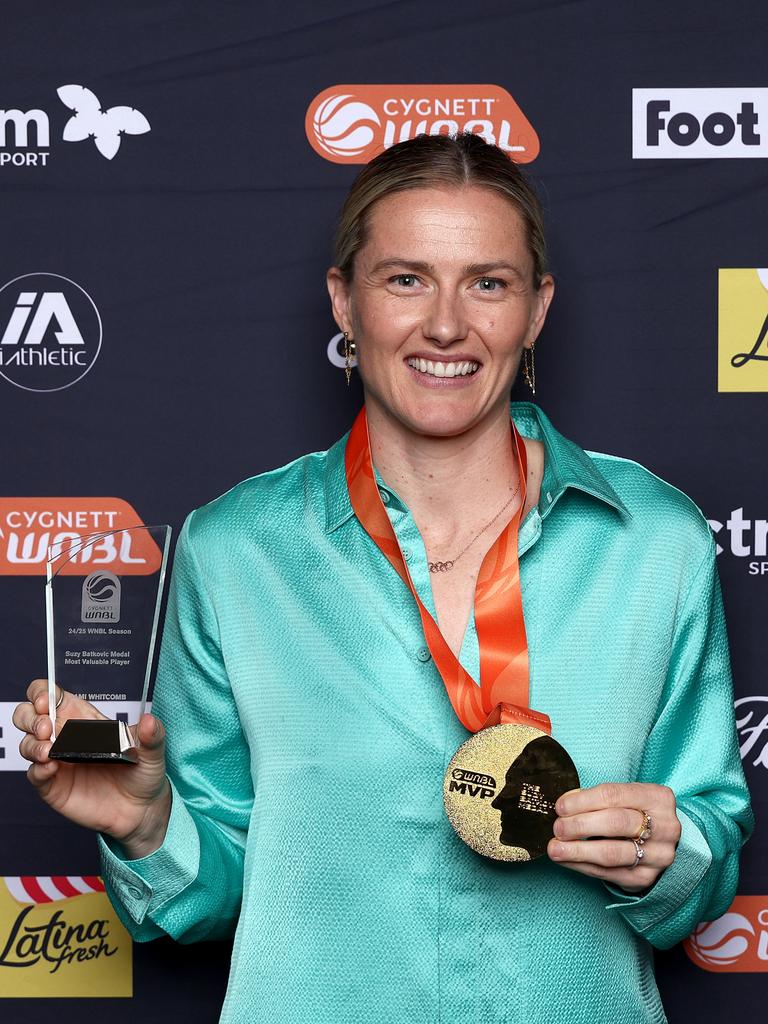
101	627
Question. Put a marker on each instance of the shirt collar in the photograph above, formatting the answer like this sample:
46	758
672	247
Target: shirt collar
565	465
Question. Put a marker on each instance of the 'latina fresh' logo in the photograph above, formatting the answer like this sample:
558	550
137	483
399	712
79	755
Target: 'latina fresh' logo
59	936
350	124
742	336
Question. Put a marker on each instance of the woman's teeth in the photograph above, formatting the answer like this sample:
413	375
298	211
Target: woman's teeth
443	369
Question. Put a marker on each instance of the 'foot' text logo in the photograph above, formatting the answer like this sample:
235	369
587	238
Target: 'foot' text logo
695	123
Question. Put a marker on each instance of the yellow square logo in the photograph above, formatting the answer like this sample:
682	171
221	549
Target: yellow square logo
742	332
59	937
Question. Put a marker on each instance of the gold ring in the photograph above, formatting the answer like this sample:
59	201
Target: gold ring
646	829
58	702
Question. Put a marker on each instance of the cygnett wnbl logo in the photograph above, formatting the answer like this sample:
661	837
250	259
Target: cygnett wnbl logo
695	123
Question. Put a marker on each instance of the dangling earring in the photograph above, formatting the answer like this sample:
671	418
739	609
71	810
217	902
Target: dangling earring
349	354
529	369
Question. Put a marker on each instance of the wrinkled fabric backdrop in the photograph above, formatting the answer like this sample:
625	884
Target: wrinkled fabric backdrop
189	243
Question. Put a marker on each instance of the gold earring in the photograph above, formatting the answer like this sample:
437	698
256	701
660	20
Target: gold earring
529	369
350	350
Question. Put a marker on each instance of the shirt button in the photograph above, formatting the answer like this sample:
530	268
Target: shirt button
407	554
384	496
549	497
423	654
135	891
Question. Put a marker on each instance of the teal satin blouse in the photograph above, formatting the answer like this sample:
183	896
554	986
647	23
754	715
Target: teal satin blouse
308	733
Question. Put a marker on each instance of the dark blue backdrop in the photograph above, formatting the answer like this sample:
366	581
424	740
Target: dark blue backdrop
204	242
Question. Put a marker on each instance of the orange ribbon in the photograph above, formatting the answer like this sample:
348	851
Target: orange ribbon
502	695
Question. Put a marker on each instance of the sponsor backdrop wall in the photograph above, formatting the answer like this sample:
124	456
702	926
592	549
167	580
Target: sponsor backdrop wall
170	175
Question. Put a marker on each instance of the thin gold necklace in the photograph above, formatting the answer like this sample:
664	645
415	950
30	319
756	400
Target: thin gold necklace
446	566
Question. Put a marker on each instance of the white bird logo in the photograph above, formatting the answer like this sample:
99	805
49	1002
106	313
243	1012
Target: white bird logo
105	127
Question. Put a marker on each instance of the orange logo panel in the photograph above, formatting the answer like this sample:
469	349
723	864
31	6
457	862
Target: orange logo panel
350	124
28	526
737	942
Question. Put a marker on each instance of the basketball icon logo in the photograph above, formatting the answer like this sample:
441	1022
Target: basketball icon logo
343	126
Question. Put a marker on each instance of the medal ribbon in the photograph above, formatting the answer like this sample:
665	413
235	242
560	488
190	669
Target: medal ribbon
502	695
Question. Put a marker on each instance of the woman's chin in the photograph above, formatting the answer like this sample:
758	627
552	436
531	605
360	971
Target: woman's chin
445	418
443	423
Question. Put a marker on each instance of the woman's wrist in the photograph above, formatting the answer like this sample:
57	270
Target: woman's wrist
150	834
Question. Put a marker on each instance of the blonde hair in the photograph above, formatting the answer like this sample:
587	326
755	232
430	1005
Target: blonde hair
430	161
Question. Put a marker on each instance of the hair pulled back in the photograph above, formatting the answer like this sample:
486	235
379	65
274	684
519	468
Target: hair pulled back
439	161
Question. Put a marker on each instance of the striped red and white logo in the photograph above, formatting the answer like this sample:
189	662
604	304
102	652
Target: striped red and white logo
50	888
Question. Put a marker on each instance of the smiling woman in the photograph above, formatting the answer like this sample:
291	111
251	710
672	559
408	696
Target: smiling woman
445	278
452	573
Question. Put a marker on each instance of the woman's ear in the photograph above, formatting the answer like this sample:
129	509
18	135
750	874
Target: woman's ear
338	289
541	304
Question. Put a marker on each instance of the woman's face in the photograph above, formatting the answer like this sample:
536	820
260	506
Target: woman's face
441	306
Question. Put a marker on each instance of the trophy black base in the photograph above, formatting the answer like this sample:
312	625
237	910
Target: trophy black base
94	741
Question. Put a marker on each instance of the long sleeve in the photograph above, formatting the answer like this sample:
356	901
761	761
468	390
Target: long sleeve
693	749
191	887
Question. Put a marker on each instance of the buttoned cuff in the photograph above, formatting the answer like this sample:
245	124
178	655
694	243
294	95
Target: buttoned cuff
673	887
145	884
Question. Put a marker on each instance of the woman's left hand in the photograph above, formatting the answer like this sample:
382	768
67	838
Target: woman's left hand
595	827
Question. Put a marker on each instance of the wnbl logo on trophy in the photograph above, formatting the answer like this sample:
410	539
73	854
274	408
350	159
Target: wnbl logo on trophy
742	330
101	597
50	332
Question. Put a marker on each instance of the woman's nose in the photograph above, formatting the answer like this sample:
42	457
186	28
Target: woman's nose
445	321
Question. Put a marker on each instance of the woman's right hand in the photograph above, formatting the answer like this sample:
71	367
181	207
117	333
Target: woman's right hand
131	803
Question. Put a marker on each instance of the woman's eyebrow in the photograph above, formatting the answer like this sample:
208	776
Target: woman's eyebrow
428	268
401	261
488	268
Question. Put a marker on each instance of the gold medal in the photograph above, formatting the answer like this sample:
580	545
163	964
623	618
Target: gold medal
501	787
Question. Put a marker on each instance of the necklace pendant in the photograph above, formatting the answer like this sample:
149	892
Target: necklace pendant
441	566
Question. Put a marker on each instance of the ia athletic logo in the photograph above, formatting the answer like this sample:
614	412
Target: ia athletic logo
50	332
693	123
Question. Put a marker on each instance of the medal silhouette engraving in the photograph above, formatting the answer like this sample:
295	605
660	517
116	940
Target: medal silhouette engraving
501	787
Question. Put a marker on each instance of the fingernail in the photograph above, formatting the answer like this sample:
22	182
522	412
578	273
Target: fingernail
558	851
557	828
